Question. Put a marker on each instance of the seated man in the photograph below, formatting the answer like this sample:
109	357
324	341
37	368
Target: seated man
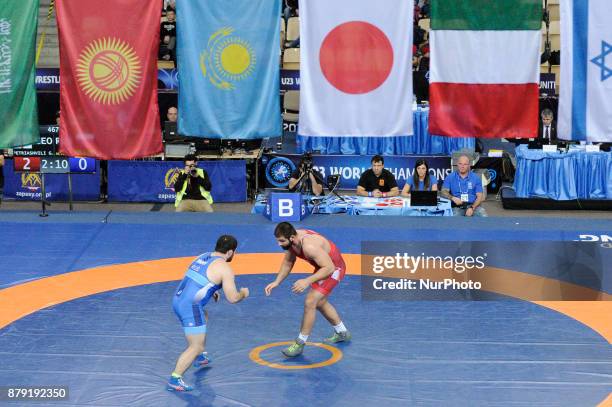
192	187
464	189
547	130
312	183
377	181
172	114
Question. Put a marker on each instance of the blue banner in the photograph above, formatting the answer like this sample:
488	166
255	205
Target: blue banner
153	181
49	79
290	79
278	168
229	59
27	186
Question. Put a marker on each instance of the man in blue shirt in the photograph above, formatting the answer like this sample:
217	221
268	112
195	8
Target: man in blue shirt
464	189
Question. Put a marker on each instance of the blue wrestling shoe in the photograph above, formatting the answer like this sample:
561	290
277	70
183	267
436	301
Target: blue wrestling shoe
177	384
202	360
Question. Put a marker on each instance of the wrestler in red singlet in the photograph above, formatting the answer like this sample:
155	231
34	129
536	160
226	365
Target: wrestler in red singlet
325	286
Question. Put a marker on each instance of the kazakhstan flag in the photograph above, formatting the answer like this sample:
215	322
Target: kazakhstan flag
228	63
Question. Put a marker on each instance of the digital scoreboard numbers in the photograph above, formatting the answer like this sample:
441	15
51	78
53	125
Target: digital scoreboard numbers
26	164
55	165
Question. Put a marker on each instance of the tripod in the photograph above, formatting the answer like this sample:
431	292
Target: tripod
304	184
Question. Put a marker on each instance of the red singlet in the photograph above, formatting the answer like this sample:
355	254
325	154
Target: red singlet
326	286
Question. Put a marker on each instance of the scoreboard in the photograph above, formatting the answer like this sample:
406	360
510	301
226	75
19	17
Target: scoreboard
43	157
54	164
48	144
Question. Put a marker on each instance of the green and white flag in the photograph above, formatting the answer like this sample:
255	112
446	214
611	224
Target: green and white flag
18	111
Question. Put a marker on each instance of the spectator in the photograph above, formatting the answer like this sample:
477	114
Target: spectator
169	5
377	181
291	9
425	9
464	189
421	180
167	37
172	114
418	35
192	187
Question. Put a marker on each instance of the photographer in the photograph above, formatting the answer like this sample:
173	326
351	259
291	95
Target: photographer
192	187
308	178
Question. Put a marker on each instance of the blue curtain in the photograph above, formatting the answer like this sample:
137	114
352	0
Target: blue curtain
421	143
563	176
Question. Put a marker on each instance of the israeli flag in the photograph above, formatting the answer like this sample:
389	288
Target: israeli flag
228	63
585	105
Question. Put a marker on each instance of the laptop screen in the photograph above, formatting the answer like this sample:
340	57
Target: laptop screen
423	198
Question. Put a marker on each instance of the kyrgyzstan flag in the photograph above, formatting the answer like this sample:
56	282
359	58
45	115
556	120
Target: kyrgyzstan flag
356	68
108	76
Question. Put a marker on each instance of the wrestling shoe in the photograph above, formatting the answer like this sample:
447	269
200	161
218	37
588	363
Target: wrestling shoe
202	360
294	350
177	384
344	336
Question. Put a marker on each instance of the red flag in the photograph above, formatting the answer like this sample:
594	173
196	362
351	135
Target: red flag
108	76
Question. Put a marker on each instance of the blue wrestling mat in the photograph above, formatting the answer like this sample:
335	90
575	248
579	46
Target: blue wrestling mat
93	313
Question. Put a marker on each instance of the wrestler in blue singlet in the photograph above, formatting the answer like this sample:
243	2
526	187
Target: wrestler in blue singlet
193	294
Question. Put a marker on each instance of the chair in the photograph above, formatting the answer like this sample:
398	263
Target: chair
161	64
555	41
424	23
553	12
293	29
291	106
291	58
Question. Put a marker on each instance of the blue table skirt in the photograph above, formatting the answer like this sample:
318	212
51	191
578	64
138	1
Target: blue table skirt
358	205
421	143
563	176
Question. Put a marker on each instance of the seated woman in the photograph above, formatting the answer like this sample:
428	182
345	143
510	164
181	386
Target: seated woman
421	180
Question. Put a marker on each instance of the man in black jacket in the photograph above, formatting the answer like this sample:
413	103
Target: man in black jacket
547	130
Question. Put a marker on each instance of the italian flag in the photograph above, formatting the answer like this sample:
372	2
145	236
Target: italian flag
485	66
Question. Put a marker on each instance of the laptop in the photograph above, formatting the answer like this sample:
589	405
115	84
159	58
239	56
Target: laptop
423	198
171	133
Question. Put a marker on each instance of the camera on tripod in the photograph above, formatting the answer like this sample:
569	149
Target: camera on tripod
306	162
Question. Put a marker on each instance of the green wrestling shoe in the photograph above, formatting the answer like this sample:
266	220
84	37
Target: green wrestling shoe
338	337
295	349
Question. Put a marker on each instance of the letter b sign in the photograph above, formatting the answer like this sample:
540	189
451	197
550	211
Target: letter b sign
287	207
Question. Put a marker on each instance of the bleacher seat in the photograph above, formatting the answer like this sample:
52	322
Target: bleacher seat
424	23
161	64
555	41
291	58
553	12
291	106
293	29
